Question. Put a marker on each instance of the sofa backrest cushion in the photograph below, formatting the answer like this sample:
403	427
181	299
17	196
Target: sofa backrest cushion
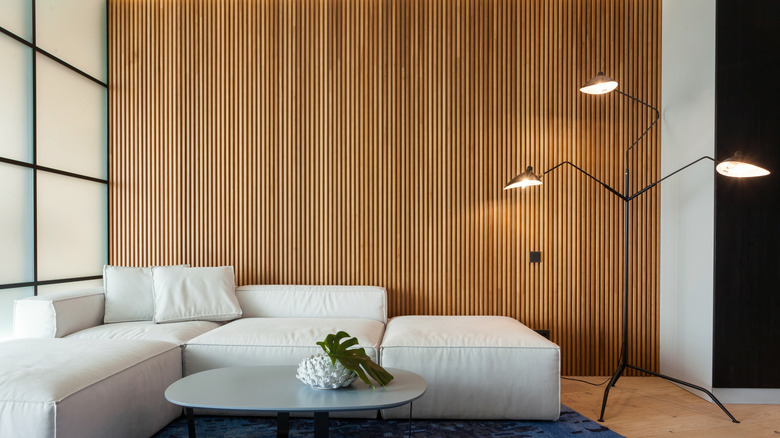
194	294
304	301
129	293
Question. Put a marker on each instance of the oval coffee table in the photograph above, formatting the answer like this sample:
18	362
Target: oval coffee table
275	389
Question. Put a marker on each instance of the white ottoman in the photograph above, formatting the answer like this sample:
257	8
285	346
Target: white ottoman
86	387
476	367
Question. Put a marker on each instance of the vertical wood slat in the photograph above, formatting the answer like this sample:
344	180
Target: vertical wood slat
367	142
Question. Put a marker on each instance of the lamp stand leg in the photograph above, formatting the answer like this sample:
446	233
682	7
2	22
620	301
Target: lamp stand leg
690	385
619	372
622	367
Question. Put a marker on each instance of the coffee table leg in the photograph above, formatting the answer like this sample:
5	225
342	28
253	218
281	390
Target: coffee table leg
411	405
190	422
282	424
321	425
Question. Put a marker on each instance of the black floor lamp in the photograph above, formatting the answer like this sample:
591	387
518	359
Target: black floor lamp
732	167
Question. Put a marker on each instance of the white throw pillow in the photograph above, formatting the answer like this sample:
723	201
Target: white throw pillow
194	294
129	294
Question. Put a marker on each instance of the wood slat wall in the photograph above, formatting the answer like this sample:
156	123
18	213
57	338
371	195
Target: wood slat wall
368	142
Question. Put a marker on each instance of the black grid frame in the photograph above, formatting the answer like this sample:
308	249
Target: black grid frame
35	283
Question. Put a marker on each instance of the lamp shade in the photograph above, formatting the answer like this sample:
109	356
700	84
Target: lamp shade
523	180
600	84
737	167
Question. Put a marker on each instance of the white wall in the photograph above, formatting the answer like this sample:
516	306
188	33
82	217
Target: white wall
687	199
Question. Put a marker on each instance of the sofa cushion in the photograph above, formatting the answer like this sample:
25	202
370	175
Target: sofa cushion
86	387
177	333
274	341
192	294
297	301
129	294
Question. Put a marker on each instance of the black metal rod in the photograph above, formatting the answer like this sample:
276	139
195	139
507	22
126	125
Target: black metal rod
34	67
282	424
190	422
34	166
54	58
626	230
657	116
615	376
321	425
603	184
411	405
671	174
691	385
47	282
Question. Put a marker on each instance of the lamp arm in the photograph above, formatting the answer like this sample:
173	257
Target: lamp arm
657	116
603	184
671	174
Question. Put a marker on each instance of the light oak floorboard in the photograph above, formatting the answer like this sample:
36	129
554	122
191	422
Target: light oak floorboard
647	407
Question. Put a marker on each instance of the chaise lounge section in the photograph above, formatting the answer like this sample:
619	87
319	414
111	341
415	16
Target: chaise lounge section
86	388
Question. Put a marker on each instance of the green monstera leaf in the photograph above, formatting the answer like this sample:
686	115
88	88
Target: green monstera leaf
355	359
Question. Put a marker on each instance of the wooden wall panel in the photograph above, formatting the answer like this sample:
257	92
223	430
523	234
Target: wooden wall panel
368	142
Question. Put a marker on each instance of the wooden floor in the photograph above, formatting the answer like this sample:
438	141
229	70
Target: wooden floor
652	407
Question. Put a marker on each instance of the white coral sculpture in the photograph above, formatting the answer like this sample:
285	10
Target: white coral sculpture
321	372
325	370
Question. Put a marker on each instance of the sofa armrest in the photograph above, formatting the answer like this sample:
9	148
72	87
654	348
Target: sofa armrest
58	315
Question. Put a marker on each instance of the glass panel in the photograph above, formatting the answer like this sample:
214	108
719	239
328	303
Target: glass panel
68	287
16	17
16	224
7	297
74	31
15	100
71	121
72	227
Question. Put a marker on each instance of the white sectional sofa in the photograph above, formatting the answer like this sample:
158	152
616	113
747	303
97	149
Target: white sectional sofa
508	369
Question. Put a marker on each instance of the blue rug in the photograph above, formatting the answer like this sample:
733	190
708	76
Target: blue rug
570	424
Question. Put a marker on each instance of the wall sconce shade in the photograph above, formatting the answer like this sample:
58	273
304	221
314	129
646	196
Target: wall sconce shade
737	167
600	84
524	179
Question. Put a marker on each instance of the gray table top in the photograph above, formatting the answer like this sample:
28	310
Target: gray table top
275	389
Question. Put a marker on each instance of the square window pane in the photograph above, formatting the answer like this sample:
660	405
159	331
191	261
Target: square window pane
50	289
74	31
71	121
7	298
16	17
15	100
16	224
72	227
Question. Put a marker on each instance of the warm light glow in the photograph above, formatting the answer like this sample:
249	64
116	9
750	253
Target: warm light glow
523	180
738	169
523	184
600	84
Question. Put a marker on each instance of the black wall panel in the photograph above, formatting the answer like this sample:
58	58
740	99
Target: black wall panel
747	226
